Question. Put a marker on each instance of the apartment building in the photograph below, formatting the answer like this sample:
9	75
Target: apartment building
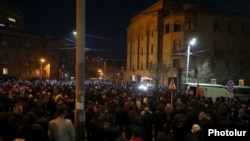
27	55
158	39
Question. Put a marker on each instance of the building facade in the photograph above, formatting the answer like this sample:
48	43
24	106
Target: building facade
158	39
10	17
25	55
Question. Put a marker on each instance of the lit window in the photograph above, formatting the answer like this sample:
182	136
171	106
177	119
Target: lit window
213	81
133	77
5	71
12	19
241	82
37	72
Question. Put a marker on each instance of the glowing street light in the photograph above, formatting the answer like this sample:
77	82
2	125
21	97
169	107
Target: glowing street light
192	42
42	61
74	33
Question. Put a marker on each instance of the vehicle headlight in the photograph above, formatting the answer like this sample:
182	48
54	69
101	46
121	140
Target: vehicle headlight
142	87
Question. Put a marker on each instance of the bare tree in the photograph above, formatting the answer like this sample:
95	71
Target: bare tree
229	71
159	72
219	70
203	73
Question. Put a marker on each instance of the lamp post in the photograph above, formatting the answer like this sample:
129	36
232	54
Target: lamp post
42	61
192	42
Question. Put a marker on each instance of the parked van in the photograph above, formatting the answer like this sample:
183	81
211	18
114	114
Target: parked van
242	93
207	90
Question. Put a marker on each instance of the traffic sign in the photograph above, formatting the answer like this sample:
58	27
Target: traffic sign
230	85
172	83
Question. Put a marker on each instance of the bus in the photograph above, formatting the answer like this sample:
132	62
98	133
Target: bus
241	93
207	90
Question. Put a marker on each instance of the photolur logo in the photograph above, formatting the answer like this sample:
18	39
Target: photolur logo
227	133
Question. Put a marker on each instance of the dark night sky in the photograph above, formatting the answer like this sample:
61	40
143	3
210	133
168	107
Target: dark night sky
106	20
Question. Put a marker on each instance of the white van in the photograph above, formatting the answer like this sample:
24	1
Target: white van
207	90
242	93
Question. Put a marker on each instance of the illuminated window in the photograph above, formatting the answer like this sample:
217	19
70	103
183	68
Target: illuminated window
241	82
4	43
133	77
37	72
5	71
213	81
12	19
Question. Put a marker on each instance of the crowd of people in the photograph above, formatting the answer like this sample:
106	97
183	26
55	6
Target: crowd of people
35	109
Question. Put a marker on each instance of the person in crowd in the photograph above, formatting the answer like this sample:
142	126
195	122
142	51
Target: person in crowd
180	126
30	130
166	135
95	131
111	131
137	134
180	114
60	128
13	121
159	120
135	126
147	120
196	134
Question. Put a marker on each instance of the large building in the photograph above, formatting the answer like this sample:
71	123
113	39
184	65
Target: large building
25	55
10	17
158	40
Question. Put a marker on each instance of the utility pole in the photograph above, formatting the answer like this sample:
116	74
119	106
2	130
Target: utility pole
79	117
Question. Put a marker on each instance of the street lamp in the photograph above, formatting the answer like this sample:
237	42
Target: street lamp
42	61
192	42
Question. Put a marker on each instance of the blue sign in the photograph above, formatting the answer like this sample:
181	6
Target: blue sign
230	85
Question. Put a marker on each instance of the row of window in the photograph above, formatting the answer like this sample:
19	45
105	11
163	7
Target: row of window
191	26
230	47
188	26
177	64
